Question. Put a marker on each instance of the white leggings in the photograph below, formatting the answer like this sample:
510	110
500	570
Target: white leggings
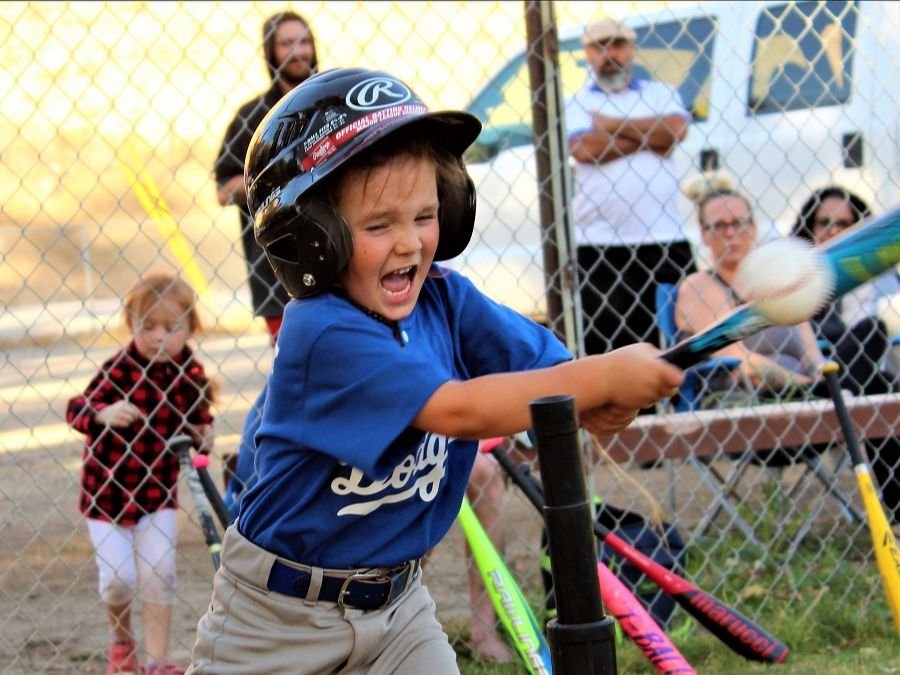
141	554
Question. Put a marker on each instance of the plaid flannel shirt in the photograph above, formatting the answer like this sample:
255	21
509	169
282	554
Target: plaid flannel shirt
128	472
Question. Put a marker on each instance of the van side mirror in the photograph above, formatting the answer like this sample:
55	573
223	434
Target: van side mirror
709	159
481	151
494	140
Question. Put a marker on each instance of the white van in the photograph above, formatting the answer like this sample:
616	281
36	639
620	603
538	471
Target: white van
785	96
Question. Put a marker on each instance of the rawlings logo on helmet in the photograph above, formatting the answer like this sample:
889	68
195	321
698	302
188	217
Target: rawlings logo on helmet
377	92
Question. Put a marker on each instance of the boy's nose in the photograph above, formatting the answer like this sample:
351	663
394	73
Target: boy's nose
409	239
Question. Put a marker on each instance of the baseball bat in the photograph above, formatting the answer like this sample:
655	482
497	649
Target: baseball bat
509	603
182	446
638	625
887	555
201	464
735	630
634	620
856	256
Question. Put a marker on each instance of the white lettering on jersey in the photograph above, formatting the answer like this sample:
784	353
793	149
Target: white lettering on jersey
420	474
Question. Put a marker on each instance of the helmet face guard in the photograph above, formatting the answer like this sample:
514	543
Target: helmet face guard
316	129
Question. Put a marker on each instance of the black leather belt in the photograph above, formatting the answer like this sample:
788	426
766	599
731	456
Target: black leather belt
365	589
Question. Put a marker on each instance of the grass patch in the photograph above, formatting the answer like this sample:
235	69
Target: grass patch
822	598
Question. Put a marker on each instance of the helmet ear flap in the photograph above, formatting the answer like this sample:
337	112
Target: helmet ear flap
456	216
313	249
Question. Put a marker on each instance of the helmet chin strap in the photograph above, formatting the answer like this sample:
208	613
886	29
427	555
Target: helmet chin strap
399	334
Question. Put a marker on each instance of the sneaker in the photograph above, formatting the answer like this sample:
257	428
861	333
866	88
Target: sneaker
161	667
121	657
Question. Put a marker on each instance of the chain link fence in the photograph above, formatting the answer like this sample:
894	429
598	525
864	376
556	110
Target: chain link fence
111	122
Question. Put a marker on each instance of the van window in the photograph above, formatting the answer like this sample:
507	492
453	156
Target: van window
674	52
802	56
680	55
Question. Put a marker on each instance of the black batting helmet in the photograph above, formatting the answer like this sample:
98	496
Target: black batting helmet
314	130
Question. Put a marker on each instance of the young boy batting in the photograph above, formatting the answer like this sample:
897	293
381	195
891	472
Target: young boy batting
388	368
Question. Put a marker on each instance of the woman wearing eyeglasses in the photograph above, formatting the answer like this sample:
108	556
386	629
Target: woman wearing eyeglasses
780	362
858	337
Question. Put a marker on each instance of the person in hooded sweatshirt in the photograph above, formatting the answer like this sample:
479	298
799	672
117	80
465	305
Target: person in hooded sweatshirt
290	52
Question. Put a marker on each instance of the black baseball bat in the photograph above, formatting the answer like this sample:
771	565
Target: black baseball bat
201	464
182	447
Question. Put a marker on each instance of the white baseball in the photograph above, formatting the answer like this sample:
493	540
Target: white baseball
787	280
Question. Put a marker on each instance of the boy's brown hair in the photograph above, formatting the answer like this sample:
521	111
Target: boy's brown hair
450	174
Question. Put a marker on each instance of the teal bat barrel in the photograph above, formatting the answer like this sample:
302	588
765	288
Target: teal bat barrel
581	637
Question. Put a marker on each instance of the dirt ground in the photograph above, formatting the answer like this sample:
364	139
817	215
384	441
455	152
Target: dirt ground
51	619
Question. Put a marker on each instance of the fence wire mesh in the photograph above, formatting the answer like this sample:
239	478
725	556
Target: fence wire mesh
110	127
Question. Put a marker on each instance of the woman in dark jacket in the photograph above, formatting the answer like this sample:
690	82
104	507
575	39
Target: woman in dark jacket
859	348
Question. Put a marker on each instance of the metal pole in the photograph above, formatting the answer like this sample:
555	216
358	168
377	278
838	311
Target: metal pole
581	637
553	175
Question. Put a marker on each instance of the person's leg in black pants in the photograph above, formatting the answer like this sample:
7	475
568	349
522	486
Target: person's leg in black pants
606	297
884	457
618	291
860	352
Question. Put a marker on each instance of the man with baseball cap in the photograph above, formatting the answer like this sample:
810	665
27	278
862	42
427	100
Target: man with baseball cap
622	131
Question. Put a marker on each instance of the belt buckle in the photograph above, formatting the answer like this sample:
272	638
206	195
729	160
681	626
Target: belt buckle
367	576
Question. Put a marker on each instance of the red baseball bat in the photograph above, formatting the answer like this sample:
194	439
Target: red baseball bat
638	625
735	630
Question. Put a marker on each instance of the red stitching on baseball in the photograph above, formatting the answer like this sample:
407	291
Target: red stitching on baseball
785	290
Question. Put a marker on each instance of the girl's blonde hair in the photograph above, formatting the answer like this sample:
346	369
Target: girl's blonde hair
153	287
149	290
703	187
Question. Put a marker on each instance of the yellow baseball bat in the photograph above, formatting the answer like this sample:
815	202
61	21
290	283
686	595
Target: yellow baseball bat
887	555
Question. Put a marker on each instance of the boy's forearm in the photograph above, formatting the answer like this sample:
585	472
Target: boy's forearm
498	405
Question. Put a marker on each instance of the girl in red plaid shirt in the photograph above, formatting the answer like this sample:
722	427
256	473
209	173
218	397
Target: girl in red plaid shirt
146	393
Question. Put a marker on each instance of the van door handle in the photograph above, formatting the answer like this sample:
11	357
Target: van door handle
709	159
852	144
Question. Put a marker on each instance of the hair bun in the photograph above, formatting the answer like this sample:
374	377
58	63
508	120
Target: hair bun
700	185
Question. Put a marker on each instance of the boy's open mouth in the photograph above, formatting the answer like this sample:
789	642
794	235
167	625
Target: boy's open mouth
399	281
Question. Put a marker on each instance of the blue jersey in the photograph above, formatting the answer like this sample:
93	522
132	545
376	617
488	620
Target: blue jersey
344	480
